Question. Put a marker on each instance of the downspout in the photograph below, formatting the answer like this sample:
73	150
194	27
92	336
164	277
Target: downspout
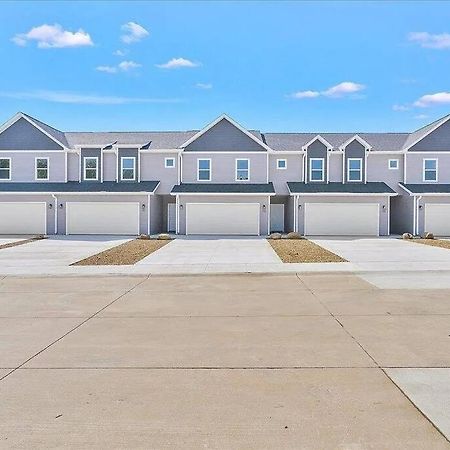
56	213
418	214
148	215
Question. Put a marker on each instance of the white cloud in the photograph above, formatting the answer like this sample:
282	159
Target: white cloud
440	98
400	108
176	63
421	116
87	99
124	66
305	94
119	53
53	36
346	88
133	32
204	86
428	40
128	65
107	69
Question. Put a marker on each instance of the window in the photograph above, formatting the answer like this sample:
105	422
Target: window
316	169
430	170
5	168
281	164
41	169
354	169
204	170
127	171
169	163
393	164
90	168
242	170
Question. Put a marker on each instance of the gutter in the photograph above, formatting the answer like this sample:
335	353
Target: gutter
56	213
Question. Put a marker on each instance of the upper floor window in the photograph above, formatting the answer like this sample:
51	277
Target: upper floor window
5	168
41	169
90	168
430	170
128	168
169	163
316	169
242	169
281	164
354	169
393	164
203	170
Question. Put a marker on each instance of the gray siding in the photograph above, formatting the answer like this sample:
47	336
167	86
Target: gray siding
22	135
438	140
262	200
335	167
378	169
224	137
280	177
354	150
414	167
153	169
384	216
156	214
73	167
224	167
23	165
289	214
316	150
402	214
109	166
48	199
91	152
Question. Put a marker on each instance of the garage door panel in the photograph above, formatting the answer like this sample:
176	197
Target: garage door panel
23	218
222	218
437	219
118	218
342	219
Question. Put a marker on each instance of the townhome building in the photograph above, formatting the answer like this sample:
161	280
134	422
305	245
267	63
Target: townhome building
223	179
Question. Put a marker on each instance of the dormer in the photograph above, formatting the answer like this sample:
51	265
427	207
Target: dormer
354	162
317	152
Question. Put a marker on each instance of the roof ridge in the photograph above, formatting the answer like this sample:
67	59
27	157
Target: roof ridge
431	123
41	122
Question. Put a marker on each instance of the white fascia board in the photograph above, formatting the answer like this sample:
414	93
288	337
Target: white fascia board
161	150
345	194
405	189
232	152
318	138
438	124
234	123
260	194
65	150
355	138
20	115
77	193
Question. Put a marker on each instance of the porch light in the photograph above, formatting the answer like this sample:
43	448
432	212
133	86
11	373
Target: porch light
420	206
50	206
299	206
61	206
143	207
181	206
384	207
264	207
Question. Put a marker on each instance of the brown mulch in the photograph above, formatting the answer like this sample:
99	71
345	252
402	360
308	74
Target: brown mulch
124	254
24	241
433	242
302	251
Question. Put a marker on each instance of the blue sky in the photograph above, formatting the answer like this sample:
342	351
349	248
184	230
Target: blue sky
282	66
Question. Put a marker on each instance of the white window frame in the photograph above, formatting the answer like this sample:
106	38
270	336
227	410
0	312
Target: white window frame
236	169
167	166
429	170
122	168
198	169
278	164
311	169
9	170
354	170
36	168
85	158
397	162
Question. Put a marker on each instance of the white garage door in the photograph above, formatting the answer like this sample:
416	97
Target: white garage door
102	218
437	219
222	218
341	219
23	218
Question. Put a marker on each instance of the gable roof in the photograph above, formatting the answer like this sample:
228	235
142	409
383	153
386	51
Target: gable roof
52	133
252	136
423	132
357	138
320	139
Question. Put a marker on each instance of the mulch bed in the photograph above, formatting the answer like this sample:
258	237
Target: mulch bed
24	241
125	254
302	251
433	242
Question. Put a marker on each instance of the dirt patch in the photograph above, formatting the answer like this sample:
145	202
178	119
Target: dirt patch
125	254
24	241
302	251
433	242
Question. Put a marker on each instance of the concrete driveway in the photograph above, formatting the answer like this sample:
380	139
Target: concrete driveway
244	361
